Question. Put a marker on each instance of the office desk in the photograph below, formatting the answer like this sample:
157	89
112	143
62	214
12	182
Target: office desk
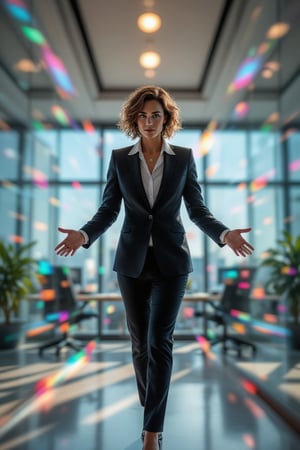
112	296
201	297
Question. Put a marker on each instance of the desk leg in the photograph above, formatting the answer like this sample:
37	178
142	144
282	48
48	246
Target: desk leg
204	320
100	320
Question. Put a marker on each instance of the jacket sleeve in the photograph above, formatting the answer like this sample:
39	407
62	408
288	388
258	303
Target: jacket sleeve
196	208
109	208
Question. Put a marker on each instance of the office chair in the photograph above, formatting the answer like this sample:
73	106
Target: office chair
233	298
64	312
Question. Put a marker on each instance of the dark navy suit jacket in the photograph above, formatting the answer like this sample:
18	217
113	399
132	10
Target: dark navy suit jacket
162	221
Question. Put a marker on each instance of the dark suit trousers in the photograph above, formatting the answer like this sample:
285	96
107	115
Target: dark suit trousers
152	303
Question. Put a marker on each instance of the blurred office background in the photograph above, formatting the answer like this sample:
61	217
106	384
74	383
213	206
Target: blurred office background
66	67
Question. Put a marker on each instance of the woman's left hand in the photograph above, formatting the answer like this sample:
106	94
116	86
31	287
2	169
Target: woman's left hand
237	243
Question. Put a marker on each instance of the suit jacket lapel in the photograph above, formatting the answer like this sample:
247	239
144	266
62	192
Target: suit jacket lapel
136	174
169	161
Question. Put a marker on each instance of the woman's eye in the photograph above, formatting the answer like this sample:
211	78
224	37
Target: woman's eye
153	116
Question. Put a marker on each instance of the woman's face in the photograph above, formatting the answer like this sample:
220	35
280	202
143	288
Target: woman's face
151	119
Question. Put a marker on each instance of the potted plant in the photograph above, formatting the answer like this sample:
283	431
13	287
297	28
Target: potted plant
284	261
16	282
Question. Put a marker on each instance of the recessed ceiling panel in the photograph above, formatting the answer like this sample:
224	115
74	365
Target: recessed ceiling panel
183	41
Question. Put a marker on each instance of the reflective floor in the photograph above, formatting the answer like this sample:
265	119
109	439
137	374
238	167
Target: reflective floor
93	405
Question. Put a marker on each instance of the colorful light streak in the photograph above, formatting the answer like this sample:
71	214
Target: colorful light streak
16	239
88	127
60	319
270	318
43	391
52	62
281	308
286	270
58	71
206	142
40	226
243	285
37	125
60	115
249	440
239	327
188	312
251	388
76	185
205	347
294	166
246	73
39	178
262	327
47	295
33	35
270	329
72	366
259	183
60	316
18	9
245	273
241	110
212	170
37	330
240	315
45	268
256	410
230	274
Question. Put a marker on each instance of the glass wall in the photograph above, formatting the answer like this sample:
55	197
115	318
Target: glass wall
56	178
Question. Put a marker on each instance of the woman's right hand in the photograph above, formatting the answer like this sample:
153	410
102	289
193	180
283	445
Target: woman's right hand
73	241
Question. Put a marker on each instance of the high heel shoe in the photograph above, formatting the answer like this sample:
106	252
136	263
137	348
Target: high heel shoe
159	439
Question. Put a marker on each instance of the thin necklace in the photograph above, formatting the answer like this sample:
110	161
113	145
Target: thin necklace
148	157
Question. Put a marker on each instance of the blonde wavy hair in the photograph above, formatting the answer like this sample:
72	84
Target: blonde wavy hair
134	105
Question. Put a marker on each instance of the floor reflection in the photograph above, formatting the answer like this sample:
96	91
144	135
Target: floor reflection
210	405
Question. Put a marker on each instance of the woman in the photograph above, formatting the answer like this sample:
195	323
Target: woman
152	260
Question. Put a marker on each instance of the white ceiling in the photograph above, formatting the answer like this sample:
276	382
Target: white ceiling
201	43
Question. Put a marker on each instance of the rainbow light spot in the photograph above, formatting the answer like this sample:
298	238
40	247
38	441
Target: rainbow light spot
58	71
246	73
294	165
60	115
18	10
34	35
244	285
286	270
42	400
242	316
241	109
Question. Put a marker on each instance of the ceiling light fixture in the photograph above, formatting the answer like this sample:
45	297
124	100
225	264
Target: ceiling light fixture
149	22
150	60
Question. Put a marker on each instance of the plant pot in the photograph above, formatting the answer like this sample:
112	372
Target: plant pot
11	335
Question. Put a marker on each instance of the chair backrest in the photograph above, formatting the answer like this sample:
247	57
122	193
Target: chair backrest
65	297
63	294
235	297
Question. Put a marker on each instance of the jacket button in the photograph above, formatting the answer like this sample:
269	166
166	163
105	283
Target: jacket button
150	217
